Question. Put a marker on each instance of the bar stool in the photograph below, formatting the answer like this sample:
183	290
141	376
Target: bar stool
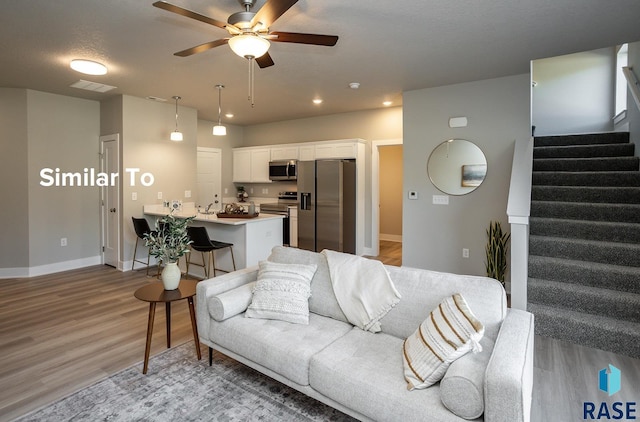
141	228
203	244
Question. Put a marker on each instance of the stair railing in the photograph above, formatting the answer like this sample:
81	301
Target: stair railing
518	210
634	85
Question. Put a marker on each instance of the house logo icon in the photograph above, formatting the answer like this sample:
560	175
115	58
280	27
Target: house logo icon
609	382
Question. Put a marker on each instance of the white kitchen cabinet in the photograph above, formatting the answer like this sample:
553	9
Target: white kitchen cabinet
336	150
307	153
251	165
293	226
284	153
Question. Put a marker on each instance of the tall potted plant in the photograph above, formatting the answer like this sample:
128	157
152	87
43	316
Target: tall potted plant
167	243
497	248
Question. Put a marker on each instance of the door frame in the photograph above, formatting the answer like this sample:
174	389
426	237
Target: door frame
103	192
375	191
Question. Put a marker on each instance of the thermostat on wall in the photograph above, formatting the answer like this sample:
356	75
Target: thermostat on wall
458	122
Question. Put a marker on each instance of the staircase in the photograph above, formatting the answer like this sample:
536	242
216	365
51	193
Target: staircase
584	243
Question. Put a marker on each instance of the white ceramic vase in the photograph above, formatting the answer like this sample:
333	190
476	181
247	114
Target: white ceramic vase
171	276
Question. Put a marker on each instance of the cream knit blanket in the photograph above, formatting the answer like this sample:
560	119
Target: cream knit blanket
362	287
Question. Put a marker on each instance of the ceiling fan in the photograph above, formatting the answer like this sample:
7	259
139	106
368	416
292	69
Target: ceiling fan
249	31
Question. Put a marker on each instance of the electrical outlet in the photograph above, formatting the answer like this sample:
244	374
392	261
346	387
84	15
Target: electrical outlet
465	252
440	200
226	191
187	194
63	241
134	196
251	191
159	195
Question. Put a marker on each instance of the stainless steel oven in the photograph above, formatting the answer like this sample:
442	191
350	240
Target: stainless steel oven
285	200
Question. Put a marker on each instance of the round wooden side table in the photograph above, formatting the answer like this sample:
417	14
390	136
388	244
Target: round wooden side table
155	293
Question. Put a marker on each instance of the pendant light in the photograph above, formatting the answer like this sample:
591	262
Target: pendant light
175	135
219	130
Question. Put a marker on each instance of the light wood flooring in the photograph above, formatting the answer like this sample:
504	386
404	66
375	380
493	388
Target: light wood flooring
62	332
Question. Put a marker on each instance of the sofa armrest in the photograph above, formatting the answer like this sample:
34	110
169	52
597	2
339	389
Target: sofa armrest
509	376
213	286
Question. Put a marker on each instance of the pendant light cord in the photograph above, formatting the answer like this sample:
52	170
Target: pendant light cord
176	98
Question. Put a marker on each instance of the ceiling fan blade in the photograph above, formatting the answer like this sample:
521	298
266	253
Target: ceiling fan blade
271	11
265	60
189	14
315	39
202	47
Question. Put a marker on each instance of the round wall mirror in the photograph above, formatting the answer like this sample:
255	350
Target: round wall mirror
457	167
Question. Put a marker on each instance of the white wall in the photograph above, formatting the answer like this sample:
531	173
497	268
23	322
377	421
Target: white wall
498	114
14	188
574	93
633	114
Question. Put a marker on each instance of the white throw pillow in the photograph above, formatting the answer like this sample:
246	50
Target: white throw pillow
282	292
449	332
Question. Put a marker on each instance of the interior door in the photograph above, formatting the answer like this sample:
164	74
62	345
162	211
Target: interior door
110	195
209	175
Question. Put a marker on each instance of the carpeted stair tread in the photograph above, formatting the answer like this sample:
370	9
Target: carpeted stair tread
619	195
623	213
582	139
593	300
584	151
595	331
595	274
589	230
586	250
587	164
587	178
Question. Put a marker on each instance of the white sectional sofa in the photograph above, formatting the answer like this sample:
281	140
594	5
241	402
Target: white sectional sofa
361	373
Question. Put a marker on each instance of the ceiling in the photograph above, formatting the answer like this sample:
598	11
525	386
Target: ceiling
387	46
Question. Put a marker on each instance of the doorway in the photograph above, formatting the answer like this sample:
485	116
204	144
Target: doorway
386	197
209	174
110	201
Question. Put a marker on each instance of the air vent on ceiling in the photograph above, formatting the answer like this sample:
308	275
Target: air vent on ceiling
152	98
92	86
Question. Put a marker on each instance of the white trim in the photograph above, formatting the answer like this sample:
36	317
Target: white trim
56	267
391	237
375	191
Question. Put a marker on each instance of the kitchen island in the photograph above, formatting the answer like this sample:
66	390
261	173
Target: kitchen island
252	238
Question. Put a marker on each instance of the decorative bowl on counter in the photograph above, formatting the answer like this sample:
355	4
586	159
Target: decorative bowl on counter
236	215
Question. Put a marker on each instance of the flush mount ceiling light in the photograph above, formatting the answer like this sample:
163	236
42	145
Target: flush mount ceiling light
387	103
175	135
219	130
88	67
317	101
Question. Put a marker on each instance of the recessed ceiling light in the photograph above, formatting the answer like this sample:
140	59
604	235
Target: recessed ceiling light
387	103
228	115
354	85
88	67
317	101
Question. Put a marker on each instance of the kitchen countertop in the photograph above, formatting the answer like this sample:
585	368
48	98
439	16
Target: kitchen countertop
190	211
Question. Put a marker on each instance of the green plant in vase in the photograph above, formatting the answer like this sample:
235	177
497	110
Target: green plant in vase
167	243
496	250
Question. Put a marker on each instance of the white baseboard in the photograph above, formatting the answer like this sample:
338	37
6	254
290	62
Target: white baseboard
50	268
391	237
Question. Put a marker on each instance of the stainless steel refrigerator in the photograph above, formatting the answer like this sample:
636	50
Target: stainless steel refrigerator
327	205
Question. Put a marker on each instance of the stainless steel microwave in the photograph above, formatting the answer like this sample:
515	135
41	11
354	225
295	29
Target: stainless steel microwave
283	170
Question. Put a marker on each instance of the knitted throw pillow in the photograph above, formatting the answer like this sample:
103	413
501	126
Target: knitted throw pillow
282	292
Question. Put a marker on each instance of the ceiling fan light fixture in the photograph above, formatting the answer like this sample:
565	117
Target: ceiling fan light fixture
89	67
249	45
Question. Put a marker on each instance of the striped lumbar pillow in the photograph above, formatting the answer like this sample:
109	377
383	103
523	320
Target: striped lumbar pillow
450	331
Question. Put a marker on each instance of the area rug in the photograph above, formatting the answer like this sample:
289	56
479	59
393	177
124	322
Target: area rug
178	387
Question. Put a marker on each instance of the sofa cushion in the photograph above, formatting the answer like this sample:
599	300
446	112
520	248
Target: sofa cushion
322	301
280	346
423	290
230	303
449	332
282	292
363	371
462	387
